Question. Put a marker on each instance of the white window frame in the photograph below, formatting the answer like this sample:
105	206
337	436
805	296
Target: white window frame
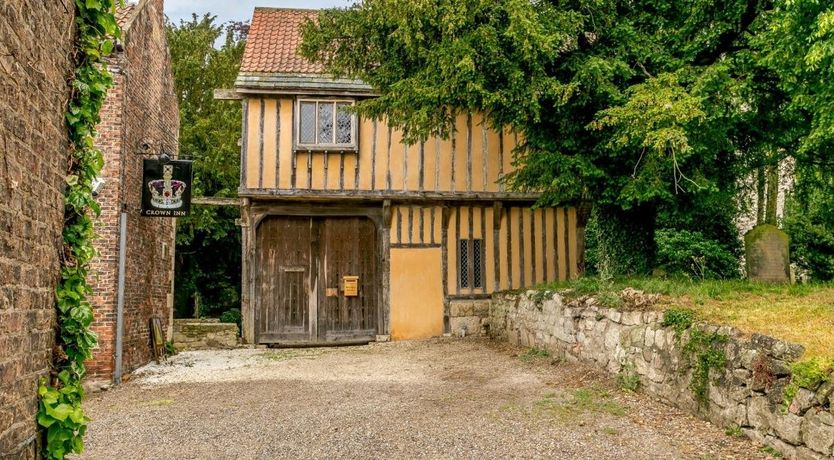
352	146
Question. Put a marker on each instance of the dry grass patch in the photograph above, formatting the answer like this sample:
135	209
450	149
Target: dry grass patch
807	319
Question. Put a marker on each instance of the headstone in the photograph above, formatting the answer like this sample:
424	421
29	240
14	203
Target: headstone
767	257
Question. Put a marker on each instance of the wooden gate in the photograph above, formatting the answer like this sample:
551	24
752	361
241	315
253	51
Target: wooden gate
302	265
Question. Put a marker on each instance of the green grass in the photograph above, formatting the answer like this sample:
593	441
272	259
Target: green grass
679	287
533	354
734	431
289	353
772	452
798	313
588	400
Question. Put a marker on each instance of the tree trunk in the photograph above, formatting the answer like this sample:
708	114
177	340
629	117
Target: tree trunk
772	193
760	196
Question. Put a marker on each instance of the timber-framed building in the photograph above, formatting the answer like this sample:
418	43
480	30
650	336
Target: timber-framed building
350	234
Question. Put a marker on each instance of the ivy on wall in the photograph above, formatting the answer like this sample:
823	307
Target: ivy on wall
60	414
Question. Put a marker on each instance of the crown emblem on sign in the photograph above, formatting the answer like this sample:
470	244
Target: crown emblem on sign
166	193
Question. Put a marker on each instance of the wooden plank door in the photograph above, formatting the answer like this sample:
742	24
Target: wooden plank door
286	280
348	248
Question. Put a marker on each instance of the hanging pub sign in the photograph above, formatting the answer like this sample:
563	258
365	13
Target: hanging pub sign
166	188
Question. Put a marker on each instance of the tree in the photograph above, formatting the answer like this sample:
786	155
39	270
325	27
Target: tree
208	243
650	109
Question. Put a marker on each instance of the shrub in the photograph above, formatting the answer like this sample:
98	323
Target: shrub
690	253
232	316
811	229
619	242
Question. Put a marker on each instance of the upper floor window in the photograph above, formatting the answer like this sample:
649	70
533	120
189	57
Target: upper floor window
325	124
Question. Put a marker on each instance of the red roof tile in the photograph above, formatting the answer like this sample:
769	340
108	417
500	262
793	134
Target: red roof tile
272	45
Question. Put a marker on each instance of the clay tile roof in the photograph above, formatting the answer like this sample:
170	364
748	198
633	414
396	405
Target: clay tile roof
272	45
123	14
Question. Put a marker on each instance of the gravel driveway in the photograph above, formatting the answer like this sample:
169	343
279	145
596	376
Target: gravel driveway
444	398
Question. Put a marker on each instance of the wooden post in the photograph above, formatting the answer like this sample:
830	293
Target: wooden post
246	308
583	215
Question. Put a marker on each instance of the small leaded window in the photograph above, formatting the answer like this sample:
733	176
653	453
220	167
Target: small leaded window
325	124
470	258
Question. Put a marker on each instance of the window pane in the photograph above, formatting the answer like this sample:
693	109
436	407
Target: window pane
344	124
463	263
476	264
307	123
325	123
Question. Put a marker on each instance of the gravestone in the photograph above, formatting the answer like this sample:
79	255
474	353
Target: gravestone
767	257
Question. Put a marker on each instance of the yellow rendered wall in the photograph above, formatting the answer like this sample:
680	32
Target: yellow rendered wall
416	293
472	160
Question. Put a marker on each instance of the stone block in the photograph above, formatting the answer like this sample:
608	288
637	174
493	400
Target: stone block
803	401
817	432
804	453
824	392
776	348
632	318
787	427
759	413
614	315
787	450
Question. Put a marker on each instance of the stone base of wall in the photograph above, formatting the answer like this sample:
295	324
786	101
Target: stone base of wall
469	317
201	334
748	393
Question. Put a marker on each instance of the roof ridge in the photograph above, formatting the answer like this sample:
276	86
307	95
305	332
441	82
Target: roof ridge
278	8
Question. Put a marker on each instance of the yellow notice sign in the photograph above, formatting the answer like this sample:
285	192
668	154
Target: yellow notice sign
350	286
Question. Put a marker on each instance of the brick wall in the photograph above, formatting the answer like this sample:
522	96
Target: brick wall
141	108
35	47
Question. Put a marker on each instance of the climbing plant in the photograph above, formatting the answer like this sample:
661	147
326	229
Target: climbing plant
703	350
60	413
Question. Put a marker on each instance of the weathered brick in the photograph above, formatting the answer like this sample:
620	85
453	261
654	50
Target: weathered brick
138	109
33	145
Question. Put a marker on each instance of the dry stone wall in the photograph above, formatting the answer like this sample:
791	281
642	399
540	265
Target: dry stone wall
36	40
747	392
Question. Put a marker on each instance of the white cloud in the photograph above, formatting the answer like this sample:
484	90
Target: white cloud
237	10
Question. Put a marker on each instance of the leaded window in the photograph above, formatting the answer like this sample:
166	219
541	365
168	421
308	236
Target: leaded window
470	260
325	124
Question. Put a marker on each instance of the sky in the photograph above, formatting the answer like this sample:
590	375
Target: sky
237	10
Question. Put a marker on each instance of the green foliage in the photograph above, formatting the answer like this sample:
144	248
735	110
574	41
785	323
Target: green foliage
233	316
678	319
703	350
230	316
734	431
170	349
705	353
772	452
654	107
208	243
61	416
533	354
693	255
627	378
619	243
809	220
59	409
809	374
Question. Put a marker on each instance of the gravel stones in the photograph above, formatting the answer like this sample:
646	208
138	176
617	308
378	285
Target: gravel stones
444	398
